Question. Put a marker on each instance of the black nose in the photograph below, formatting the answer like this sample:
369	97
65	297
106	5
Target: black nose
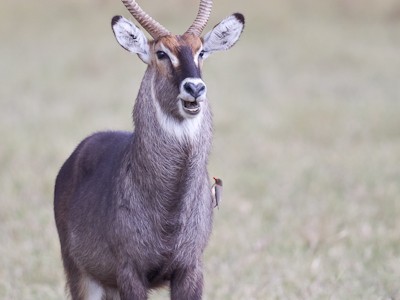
195	90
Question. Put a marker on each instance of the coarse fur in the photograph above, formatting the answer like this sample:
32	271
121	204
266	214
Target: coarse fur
134	210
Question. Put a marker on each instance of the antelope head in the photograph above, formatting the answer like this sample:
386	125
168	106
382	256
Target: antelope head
175	61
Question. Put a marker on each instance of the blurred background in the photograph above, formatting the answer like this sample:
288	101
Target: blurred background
307	140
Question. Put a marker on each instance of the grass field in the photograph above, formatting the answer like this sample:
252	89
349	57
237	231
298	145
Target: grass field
307	140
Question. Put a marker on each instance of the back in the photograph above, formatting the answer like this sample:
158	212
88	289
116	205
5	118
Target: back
91	167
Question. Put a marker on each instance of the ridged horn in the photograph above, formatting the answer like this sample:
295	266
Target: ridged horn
154	28
202	18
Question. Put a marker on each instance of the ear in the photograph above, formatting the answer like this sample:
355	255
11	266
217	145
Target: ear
224	35
131	37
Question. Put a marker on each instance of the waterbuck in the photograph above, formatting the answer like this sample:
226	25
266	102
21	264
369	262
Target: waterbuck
134	210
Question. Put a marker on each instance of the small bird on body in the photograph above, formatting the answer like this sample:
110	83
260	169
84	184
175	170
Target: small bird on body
216	190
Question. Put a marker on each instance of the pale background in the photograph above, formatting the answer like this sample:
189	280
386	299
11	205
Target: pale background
307	140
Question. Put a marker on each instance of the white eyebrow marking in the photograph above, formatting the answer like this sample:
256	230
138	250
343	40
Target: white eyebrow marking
172	57
196	56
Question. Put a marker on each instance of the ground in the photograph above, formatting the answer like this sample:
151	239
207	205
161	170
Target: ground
307	141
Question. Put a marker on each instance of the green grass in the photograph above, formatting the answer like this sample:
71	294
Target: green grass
307	140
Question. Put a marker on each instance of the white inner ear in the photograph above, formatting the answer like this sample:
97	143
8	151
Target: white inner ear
131	38
223	36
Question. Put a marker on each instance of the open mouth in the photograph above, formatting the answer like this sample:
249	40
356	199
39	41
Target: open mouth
191	107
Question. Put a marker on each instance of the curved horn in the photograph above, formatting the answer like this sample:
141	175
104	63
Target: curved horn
202	17
154	28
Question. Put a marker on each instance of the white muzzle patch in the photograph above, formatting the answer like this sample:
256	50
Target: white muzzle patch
193	92
189	129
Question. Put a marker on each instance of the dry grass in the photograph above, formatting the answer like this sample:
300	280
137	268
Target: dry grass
307	140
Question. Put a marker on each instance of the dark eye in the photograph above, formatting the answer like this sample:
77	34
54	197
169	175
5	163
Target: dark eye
202	53
161	55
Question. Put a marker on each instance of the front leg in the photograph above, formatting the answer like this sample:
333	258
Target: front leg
130	284
187	283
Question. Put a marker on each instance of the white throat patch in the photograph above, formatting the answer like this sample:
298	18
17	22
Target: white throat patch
188	129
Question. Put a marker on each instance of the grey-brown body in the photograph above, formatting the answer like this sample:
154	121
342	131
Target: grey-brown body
134	210
137	204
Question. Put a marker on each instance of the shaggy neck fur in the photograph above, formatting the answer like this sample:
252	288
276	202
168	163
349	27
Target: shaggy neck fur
168	154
